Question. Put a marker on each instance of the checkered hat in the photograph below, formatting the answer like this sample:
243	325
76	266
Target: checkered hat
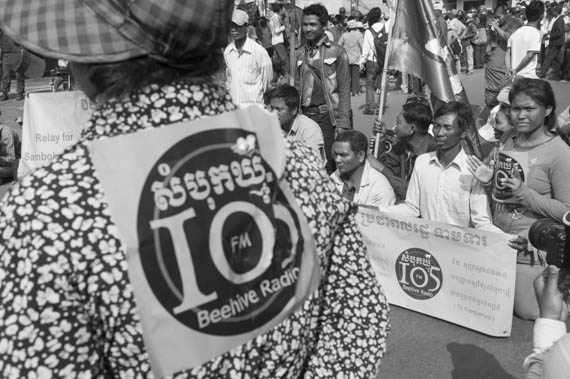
115	30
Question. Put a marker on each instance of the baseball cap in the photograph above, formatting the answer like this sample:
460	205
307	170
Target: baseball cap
98	31
240	17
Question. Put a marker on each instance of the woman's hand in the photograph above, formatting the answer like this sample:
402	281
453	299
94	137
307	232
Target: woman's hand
515	183
481	171
551	295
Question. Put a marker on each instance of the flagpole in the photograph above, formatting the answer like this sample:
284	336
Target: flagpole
385	76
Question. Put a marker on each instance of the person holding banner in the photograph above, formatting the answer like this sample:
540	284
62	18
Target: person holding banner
529	179
441	187
173	200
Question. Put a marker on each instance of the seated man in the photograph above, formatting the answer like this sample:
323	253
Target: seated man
412	125
9	154
284	100
441	187
354	177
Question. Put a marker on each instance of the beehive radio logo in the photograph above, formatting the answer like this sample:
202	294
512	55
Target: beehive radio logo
419	274
220	242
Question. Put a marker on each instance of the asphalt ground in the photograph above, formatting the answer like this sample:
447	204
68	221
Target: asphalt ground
419	346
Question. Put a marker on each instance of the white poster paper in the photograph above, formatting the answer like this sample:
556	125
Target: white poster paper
461	275
52	121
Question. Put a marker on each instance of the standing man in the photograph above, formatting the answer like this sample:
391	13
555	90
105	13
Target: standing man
354	177
441	187
323	78
280	55
556	44
249	70
11	59
503	25
372	59
523	45
352	42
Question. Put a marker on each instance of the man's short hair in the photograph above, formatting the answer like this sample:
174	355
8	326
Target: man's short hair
318	10
418	114
462	111
534	10
286	92
356	140
374	16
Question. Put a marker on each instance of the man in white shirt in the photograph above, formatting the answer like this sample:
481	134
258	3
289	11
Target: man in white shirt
441	187
354	177
249	70
285	100
374	64
523	45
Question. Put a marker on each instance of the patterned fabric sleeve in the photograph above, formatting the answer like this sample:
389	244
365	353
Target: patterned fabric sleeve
354	318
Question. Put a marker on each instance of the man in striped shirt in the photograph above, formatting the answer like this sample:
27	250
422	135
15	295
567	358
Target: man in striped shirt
249	70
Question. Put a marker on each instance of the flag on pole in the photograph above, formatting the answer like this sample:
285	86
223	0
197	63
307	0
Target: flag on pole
417	50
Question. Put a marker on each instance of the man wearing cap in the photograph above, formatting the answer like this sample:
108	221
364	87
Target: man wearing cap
72	283
352	42
249	70
323	78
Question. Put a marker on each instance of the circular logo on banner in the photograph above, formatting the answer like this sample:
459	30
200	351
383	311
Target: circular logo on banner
419	274
220	245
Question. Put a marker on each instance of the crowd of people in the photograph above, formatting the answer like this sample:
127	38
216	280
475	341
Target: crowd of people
68	306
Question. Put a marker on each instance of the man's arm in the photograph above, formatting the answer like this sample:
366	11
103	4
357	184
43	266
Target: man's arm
411	207
343	85
525	61
508	59
366	47
266	69
479	210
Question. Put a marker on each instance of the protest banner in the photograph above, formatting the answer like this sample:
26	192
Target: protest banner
462	275
218	251
52	121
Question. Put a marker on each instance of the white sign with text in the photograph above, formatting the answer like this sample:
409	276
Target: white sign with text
52	121
461	275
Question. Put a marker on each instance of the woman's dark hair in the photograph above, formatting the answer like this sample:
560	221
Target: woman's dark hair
318	10
462	111
374	16
120	79
418	114
541	93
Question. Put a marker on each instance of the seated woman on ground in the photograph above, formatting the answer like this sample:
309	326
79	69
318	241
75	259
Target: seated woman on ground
529	180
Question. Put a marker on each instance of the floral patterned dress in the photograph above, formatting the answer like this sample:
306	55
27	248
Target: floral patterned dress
67	308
